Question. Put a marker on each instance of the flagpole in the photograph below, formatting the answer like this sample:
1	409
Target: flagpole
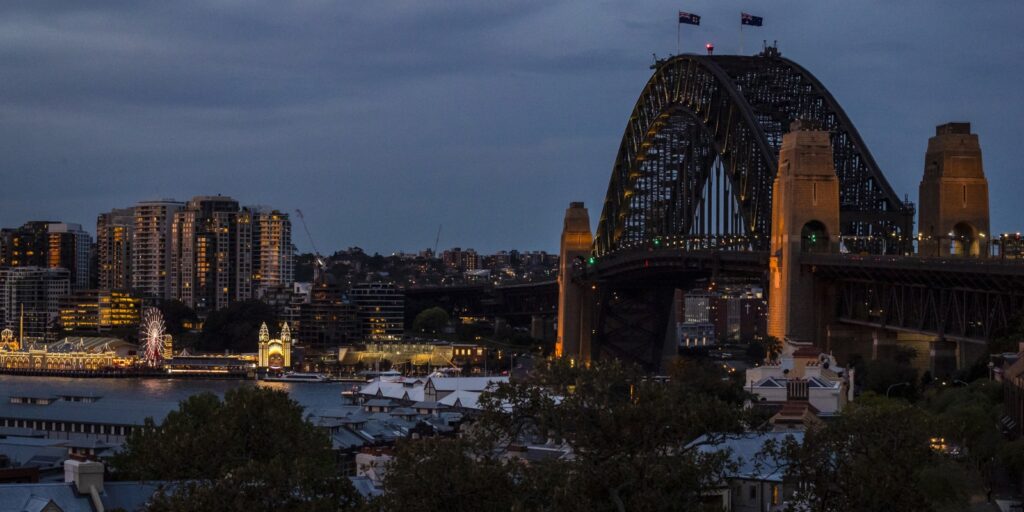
677	36
741	37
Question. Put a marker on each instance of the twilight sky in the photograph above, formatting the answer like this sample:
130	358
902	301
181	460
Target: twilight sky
382	120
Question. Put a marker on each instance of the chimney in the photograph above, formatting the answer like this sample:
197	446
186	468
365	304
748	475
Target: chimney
86	475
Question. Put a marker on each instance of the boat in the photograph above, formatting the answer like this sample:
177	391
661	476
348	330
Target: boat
297	377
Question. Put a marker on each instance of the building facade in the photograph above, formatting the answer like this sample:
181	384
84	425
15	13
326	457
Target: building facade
100	311
151	248
30	299
70	247
273	253
114	231
211	248
381	310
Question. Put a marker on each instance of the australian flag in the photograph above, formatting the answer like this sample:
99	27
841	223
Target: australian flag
688	18
750	19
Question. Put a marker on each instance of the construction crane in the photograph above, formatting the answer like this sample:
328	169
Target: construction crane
319	264
437	239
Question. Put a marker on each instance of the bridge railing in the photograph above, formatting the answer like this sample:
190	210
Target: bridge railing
739	243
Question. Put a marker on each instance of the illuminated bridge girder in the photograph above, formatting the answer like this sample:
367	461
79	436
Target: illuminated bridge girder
699	155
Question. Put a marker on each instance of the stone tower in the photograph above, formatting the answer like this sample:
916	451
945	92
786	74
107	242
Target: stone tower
574	310
805	218
953	195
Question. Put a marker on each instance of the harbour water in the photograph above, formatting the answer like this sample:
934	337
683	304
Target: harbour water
309	395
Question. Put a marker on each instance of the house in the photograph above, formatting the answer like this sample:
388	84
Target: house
829	387
83	490
754	485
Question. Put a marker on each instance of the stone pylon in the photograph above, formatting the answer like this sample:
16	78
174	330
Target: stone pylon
574	308
953	202
805	219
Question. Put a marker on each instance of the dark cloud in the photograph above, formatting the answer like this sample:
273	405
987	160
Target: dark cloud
382	120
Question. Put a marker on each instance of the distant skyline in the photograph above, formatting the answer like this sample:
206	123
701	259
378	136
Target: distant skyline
383	120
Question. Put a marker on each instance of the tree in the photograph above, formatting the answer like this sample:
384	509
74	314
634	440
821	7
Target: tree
175	314
967	418
631	437
887	378
236	327
251	451
432	320
876	456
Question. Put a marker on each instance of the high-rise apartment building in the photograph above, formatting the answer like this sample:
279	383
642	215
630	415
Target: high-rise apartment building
211	247
30	299
26	246
273	262
70	247
48	244
114	231
381	310
151	248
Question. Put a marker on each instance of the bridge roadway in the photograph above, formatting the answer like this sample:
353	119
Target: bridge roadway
957	299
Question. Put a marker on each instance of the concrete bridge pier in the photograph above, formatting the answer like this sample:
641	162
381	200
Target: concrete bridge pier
575	300
805	219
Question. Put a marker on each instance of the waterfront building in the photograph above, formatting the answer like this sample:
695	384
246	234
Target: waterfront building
66	416
99	311
381	310
114	232
453	392
30	300
328	319
151	248
71	354
275	353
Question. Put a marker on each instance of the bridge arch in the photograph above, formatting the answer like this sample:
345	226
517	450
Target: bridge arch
700	151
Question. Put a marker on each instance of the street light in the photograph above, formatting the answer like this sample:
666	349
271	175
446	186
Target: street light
887	391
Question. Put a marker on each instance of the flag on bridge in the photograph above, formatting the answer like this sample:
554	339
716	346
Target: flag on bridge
688	18
750	19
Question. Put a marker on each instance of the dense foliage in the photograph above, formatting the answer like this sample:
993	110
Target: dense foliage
631	437
430	321
251	451
236	328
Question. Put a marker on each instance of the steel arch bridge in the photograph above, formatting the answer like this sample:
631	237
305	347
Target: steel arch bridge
700	151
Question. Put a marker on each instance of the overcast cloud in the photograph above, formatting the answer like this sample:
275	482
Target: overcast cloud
382	120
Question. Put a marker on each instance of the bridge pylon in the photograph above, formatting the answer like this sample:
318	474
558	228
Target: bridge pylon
575	306
954	217
805	219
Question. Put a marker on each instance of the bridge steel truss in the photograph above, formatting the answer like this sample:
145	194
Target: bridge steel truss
958	300
700	151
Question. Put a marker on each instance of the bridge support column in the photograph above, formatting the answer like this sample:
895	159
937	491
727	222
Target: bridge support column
954	217
540	327
575	303
944	356
805	218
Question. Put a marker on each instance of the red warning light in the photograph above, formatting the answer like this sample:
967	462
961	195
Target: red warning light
711	48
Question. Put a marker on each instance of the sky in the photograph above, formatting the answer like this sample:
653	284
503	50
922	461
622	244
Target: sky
384	120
